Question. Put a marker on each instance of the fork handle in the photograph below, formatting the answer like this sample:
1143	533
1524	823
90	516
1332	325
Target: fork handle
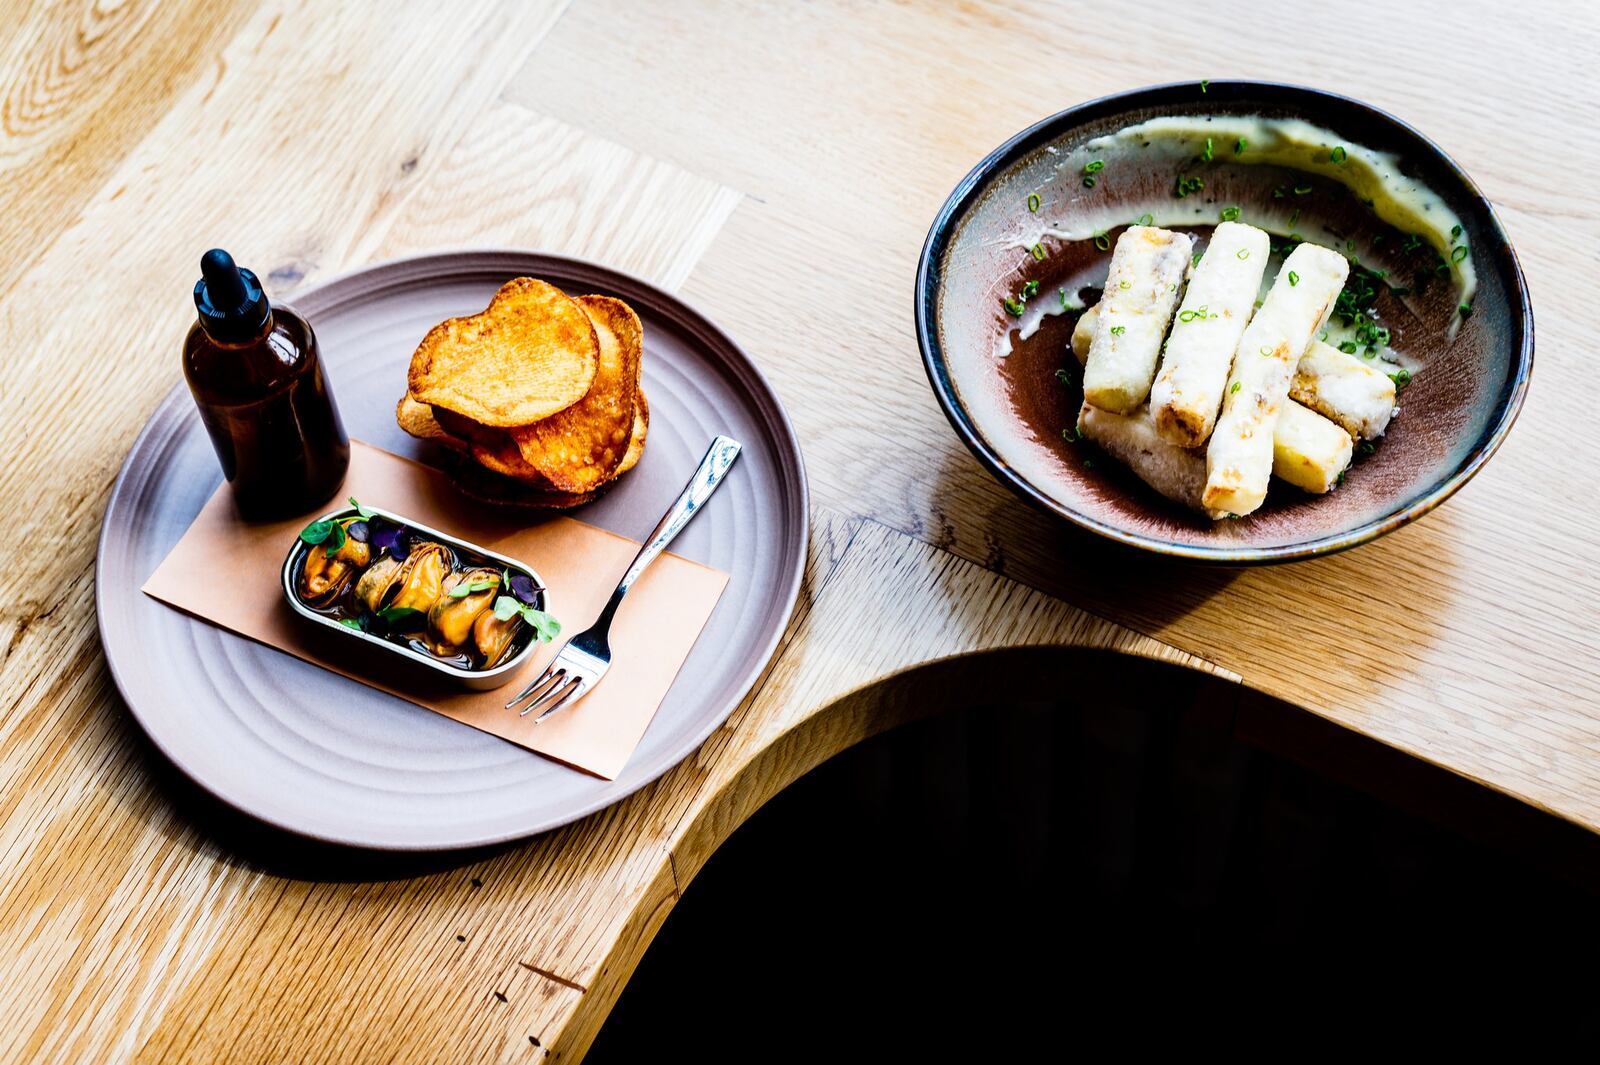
713	468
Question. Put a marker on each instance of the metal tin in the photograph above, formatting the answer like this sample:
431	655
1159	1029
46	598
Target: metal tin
344	640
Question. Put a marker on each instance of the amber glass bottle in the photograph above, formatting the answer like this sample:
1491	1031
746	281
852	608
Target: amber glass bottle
256	376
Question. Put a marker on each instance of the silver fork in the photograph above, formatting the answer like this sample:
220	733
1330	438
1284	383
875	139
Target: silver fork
584	659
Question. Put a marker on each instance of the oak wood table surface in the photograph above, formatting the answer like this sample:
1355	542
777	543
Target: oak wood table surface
778	165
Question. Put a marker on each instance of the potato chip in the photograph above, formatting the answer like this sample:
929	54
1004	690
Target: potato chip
530	354
418	420
641	429
580	448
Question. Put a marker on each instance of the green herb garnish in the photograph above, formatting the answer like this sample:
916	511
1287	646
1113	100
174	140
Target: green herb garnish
1459	253
1465	309
1240	145
1071	435
1124	284
1235	387
1301	190
1347	346
1102	241
462	589
365	512
1365	448
1401	378
397	616
1090	181
1266	350
1230	214
1455	232
1187	186
1338	155
547	627
350	623
1094	166
1145	219
1064	376
1118	330
1033	202
1030	289
1242	254
1205	83
1206	153
316	532
1294	279
1037	251
1013	307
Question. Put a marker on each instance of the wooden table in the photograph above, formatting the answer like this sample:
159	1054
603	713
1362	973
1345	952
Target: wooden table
778	165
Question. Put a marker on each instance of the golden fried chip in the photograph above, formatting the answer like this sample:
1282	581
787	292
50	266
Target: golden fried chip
641	429
530	354
481	484
580	448
418	420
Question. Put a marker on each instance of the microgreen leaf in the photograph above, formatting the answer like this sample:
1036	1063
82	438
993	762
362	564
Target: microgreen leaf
505	607
398	616
365	512
316	532
335	540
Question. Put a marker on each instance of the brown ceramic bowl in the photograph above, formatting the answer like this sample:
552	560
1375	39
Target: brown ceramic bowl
1002	394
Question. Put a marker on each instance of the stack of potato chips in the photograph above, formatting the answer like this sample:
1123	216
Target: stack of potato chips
540	391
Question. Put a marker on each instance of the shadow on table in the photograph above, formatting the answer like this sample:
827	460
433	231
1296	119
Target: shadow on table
1049	875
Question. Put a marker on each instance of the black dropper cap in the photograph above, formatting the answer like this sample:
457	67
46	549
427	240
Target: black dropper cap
233	307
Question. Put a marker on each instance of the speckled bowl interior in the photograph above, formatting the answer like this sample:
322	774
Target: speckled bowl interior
1005	401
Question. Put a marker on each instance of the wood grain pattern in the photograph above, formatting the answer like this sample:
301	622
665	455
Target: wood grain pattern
781	164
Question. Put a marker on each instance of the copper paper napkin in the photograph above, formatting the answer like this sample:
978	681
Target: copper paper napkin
580	564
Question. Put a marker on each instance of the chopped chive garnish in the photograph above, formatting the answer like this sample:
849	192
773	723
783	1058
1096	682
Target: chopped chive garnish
1301	190
1090	182
1188	185
1205	83
1366	447
1033	202
1124	284
1240	145
1465	309
1102	241
1230	214
1242	254
1145	219
1338	156
1030	289
1063	298
1347	346
1064	376
1235	387
1037	251
1401	378
1118	330
1013	307
1094	166
1294	279
1294	216
1206	153
1459	253
1194	260
1266	349
1069	434
1455	232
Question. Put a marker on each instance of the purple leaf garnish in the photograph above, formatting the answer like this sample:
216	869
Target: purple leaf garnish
524	588
358	531
389	537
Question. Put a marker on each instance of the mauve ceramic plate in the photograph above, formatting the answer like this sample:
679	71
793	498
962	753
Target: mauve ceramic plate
1001	393
324	756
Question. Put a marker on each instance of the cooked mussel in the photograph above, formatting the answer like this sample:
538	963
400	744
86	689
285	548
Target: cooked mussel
492	635
376	581
467	595
324	577
419	584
